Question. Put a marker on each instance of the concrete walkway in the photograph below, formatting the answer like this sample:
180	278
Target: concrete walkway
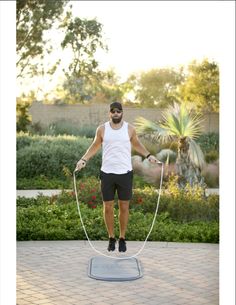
35	193
55	272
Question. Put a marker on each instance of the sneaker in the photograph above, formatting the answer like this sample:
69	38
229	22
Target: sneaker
112	244
122	245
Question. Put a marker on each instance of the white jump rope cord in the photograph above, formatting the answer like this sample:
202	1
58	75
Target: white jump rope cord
144	243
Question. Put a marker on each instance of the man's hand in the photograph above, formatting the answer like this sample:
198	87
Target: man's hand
153	159
80	164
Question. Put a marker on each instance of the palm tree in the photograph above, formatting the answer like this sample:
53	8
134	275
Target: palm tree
179	125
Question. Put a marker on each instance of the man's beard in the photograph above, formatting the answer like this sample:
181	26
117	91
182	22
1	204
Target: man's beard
116	120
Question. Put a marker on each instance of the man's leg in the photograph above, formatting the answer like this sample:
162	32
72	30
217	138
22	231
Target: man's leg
123	216
108	213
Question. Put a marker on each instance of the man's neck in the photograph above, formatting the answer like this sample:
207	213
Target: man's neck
116	126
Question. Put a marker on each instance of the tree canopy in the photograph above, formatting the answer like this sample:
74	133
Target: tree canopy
34	24
201	86
33	19
157	87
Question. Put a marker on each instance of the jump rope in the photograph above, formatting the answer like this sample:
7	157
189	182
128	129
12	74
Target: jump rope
153	222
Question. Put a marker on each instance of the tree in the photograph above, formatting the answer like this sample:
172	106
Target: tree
33	19
80	38
179	125
157	86
99	87
83	37
201	87
23	119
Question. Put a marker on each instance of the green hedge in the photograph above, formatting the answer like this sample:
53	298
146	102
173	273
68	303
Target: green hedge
61	222
57	217
51	156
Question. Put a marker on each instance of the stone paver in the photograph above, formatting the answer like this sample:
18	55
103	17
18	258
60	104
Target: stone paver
55	272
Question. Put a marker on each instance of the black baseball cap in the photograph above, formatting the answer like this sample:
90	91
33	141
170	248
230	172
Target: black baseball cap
116	105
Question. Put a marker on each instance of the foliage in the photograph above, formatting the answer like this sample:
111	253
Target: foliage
81	38
181	205
42	182
179	124
66	128
33	19
48	218
108	87
209	142
62	127
201	87
63	152
156	87
210	145
47	155
212	156
23	118
99	87
88	191
84	37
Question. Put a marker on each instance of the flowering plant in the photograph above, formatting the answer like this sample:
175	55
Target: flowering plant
89	191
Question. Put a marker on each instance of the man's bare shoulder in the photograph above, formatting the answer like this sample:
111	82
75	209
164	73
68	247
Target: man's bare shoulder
101	128
131	127
100	131
132	131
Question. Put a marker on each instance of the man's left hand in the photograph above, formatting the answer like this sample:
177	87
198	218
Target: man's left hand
153	159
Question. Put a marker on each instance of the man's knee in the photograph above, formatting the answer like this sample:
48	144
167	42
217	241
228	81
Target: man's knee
108	206
123	205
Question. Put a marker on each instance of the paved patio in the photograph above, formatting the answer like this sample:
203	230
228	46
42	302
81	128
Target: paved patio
55	272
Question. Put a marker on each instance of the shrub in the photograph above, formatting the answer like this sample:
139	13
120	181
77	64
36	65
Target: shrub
182	206
167	155
88	191
49	156
47	219
42	182
189	204
212	156
209	141
179	208
63	127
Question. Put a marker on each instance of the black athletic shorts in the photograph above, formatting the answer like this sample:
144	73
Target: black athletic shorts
122	183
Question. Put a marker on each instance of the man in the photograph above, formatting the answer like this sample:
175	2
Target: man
116	137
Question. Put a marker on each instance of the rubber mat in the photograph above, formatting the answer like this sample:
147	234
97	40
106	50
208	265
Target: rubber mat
109	269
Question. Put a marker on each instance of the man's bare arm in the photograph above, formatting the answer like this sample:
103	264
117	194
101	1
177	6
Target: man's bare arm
93	148
139	147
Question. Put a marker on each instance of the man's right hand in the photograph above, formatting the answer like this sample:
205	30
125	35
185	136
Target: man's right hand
80	164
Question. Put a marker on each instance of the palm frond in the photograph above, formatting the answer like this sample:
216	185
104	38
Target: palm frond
195	154
147	127
181	122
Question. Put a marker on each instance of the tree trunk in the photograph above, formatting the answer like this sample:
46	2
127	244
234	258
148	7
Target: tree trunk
186	171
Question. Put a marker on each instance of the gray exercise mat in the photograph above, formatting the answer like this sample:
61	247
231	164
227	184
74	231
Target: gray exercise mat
110	269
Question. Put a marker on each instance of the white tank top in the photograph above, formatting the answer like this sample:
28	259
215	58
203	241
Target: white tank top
116	154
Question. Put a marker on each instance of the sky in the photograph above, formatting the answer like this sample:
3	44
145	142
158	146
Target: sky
146	34
142	35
